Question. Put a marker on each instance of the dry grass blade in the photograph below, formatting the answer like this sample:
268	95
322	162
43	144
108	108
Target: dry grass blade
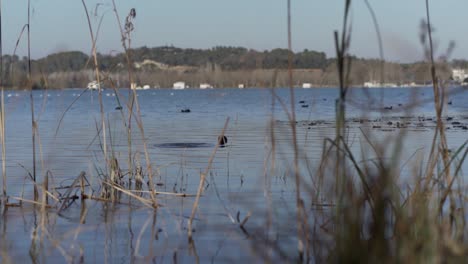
125	36
3	141
202	182
146	202
66	110
67	195
221	201
246	218
2	114
140	235
165	193
292	121
31	98
457	170
98	78
31	202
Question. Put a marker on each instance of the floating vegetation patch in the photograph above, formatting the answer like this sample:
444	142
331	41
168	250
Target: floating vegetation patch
390	123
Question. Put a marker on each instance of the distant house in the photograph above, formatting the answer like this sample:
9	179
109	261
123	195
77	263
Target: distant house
135	86
241	86
205	86
178	86
306	85
371	84
94	85
375	84
459	75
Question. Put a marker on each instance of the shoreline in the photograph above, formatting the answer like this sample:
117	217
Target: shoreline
227	87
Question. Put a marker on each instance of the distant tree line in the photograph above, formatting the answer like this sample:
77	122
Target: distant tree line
159	66
227	58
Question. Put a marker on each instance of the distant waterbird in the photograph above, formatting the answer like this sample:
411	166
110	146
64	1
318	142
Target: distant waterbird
222	141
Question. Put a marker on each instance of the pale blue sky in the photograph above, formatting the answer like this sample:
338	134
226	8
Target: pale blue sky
59	25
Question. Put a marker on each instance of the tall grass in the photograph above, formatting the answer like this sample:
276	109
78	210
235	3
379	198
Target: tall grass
373	219
133	102
126	44
112	174
364	213
2	114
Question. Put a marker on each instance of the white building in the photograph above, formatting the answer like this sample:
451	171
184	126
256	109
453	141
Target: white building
205	86
375	84
459	75
94	85
178	86
241	86
306	85
135	86
371	84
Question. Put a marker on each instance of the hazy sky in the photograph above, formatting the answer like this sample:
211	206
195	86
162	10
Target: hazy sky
60	25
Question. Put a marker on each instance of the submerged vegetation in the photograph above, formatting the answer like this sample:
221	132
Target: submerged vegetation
348	207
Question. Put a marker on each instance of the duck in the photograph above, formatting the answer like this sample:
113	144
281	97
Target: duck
222	141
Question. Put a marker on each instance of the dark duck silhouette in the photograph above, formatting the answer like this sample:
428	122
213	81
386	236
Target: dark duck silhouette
222	141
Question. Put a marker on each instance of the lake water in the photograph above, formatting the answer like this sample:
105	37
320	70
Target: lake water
179	145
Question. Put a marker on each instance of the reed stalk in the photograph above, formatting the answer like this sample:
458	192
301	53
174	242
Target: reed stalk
439	96
134	101
2	114
442	150
379	39
341	46
126	36
31	98
300	214
98	79
3	141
